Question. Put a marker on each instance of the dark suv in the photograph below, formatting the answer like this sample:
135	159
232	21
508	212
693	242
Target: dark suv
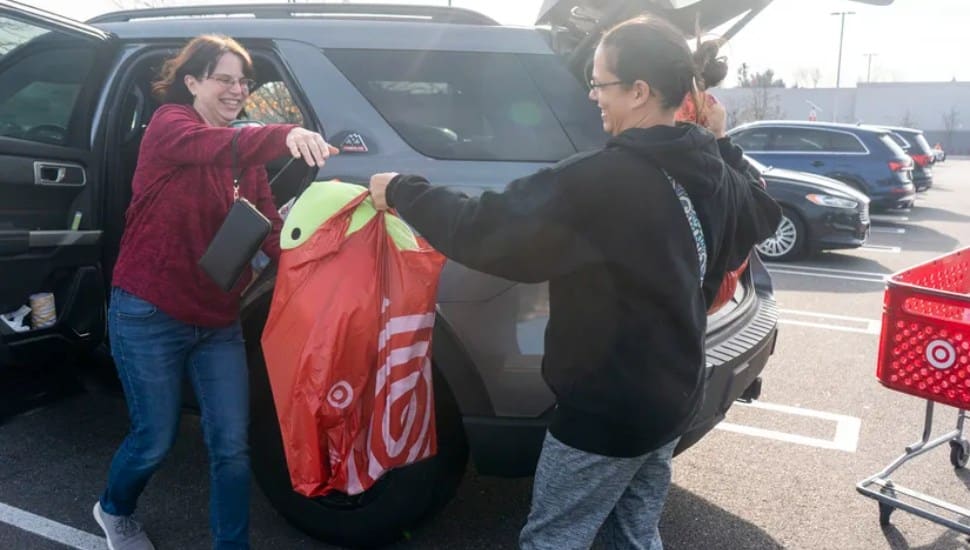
914	143
864	157
443	92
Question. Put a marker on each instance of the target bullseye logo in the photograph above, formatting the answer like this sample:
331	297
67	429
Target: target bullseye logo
340	395
941	354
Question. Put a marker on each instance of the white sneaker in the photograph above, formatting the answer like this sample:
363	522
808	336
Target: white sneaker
122	532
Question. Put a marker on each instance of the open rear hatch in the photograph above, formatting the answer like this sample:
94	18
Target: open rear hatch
576	25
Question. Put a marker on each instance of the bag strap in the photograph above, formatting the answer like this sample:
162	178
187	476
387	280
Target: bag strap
235	165
237	172
693	221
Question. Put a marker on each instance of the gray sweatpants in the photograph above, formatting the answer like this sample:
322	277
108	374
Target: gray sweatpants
575	493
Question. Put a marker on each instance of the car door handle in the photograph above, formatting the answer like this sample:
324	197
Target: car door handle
59	173
817	163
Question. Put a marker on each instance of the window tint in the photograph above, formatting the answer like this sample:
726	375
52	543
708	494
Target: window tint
924	145
895	149
41	75
272	103
900	140
811	140
799	139
844	143
459	105
753	140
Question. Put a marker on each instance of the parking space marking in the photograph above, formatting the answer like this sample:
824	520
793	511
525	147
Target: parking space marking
879	248
826	273
846	428
842	323
50	529
891	230
888	218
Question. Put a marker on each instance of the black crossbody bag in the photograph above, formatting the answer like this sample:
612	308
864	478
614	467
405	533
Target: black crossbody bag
240	236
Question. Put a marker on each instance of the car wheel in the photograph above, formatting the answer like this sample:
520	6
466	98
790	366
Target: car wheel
788	242
383	513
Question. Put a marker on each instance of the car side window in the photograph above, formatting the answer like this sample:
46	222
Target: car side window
800	140
459	105
844	143
41	75
272	103
756	139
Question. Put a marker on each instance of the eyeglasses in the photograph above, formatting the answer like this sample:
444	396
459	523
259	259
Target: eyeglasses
593	85
227	82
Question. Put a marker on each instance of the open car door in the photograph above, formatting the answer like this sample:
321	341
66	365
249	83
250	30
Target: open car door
52	73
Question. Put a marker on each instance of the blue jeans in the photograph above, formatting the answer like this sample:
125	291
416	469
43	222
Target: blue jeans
153	352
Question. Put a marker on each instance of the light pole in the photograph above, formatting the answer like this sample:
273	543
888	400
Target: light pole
838	71
869	65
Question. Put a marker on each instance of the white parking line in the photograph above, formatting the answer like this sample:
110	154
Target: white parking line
888	218
861	276
892	230
878	248
846	428
868	326
50	529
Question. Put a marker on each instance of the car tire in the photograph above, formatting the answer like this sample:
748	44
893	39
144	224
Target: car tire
384	513
789	241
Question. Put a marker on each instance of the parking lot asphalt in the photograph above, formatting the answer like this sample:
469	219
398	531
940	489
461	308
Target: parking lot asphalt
777	474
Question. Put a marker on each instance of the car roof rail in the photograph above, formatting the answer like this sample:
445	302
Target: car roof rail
435	14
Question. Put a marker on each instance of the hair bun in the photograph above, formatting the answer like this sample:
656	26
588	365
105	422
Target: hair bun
711	68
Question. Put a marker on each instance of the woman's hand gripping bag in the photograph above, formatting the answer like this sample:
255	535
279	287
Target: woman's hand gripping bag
348	342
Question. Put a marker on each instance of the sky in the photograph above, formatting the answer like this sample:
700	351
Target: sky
912	40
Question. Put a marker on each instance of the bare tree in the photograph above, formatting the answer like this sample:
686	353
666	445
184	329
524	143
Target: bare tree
951	121
808	75
272	103
14	33
907	120
761	103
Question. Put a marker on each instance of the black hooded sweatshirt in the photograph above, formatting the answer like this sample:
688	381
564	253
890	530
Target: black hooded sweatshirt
624	347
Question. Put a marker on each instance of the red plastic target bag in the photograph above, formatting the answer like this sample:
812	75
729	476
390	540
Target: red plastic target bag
347	347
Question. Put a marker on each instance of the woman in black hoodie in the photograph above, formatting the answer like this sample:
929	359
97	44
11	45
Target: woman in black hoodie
627	238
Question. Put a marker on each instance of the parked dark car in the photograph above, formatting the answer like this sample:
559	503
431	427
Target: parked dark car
863	157
819	213
924	157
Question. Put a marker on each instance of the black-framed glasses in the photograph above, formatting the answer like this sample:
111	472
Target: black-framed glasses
594	85
227	82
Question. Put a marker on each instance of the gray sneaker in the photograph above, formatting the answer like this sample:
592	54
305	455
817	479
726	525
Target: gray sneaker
122	532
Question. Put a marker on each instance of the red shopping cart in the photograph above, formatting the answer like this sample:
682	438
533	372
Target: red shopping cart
924	350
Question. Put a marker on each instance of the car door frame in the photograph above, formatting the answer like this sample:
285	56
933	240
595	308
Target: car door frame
64	260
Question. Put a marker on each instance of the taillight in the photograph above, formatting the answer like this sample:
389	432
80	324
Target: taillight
921	160
899	166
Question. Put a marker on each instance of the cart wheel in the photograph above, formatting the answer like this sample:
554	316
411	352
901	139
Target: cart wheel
959	452
885	511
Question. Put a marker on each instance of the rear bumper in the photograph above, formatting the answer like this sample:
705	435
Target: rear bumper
509	447
923	183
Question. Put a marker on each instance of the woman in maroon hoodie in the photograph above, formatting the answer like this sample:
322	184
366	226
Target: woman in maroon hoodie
167	318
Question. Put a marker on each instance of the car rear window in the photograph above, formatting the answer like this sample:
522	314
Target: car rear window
894	148
923	144
475	105
900	140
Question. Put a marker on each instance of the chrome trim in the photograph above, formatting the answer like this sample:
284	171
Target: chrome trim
61	173
50	239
